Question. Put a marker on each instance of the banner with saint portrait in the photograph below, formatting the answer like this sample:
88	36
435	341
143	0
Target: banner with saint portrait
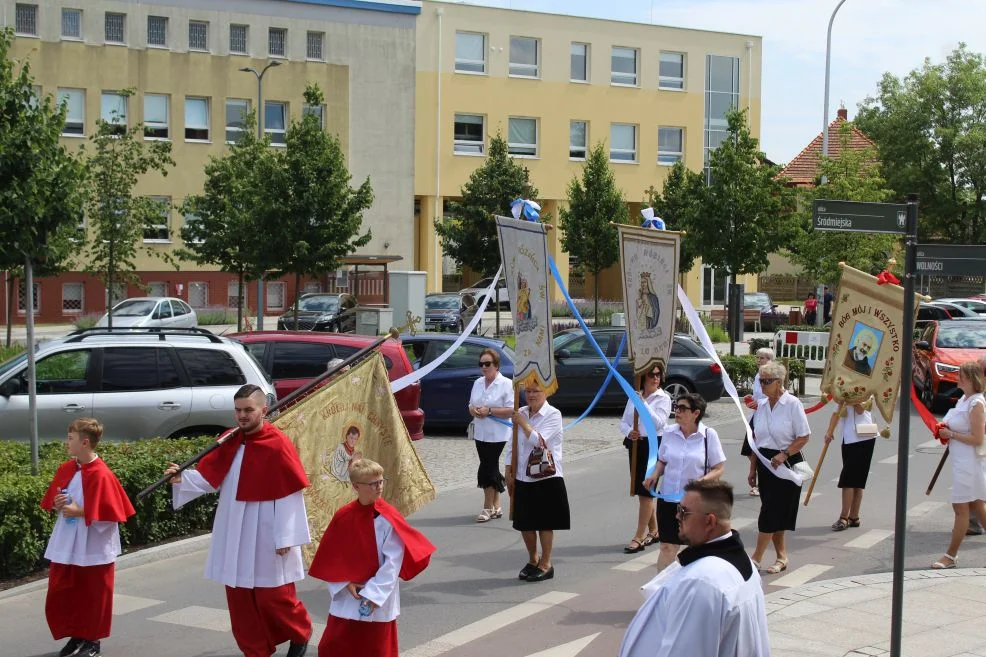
353	416
866	341
649	266
524	252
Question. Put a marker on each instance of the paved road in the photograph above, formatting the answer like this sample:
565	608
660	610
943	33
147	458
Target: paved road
469	602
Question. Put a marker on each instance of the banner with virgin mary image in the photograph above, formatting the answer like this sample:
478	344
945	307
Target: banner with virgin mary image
649	265
524	252
866	341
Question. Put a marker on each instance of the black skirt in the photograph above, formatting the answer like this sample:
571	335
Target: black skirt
856	459
779	498
643	451
745	449
489	475
541	505
667	522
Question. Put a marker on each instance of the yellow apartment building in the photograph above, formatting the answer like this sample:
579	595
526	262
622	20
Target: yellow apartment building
554	85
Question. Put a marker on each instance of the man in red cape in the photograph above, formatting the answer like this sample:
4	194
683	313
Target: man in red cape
366	547
79	604
260	526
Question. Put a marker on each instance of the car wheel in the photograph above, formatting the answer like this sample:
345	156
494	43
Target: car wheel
928	396
677	387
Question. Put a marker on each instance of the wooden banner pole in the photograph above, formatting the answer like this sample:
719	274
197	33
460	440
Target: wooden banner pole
821	457
513	452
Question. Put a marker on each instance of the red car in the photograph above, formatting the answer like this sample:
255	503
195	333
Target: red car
939	351
293	358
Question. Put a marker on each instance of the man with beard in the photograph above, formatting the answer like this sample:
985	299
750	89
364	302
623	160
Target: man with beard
858	356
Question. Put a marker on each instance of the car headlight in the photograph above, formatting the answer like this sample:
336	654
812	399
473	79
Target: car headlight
449	317
944	369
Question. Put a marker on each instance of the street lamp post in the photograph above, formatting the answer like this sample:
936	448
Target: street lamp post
260	135
828	64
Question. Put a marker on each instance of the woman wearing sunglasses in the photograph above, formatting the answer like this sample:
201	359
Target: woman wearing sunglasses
781	431
689	451
492	397
659	405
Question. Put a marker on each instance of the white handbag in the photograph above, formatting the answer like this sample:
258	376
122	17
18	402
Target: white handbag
867	430
471	430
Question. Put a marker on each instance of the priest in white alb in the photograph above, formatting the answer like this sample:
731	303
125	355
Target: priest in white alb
710	603
259	529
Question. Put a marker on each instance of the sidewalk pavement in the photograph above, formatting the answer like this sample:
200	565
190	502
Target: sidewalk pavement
850	617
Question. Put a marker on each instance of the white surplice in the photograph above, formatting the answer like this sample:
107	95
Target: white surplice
382	588
245	535
74	543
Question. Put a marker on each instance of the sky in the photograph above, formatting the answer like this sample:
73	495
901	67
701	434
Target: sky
869	38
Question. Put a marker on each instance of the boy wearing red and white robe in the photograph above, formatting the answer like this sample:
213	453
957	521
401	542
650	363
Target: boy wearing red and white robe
260	526
366	547
84	543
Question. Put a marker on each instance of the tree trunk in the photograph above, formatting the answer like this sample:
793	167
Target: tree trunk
297	284
109	290
239	302
595	298
732	335
10	305
32	388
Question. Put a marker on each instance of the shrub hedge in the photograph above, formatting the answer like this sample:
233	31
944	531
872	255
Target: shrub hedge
25	527
742	369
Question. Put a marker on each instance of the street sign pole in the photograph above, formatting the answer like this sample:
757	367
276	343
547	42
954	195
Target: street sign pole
904	427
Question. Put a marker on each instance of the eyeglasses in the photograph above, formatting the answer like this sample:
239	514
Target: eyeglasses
768	381
654	375
373	484
682	407
683	512
486	363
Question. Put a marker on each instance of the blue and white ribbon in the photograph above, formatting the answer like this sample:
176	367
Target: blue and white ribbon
525	210
652	221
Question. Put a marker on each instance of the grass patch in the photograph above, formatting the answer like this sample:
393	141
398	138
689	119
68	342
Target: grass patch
87	321
6	353
219	315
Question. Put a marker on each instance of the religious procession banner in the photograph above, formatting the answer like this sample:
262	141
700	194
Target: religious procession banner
353	416
865	342
524	252
649	264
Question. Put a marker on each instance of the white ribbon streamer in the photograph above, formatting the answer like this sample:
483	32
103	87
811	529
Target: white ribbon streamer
782	471
418	374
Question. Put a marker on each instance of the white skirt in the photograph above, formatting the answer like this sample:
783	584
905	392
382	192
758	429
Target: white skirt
968	477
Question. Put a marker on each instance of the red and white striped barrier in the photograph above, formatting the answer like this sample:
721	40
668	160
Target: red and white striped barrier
809	346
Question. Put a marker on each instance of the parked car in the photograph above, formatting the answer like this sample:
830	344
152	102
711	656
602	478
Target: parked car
770	316
450	311
321	312
956	311
293	358
139	383
478	289
150	312
975	305
445	391
928	313
581	371
941	348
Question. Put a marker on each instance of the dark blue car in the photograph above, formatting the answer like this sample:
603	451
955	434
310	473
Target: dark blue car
445	392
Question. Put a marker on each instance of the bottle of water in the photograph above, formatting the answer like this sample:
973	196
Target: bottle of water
68	500
364	608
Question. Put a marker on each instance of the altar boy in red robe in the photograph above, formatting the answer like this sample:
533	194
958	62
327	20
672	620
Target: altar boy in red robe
366	547
84	543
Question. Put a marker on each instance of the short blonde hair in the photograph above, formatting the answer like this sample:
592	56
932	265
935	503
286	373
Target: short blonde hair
360	469
766	352
974	373
773	370
87	427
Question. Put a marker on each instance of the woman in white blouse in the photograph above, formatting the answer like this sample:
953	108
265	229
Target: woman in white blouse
781	428
857	455
965	429
492	397
659	406
690	451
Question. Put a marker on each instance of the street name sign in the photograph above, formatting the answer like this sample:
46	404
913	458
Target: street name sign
950	260
858	217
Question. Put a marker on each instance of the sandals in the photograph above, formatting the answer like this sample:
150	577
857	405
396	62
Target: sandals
498	513
754	492
842	524
853	522
941	565
486	515
779	567
650	539
630	549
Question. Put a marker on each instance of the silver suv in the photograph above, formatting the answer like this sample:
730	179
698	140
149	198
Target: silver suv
139	383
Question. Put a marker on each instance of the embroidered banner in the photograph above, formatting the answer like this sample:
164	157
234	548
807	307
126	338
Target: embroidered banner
865	343
353	416
649	264
524	253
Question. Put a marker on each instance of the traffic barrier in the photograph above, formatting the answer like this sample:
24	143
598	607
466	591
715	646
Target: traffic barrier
809	346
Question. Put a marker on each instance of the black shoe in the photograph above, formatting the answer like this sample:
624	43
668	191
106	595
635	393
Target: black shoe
974	531
298	649
541	575
89	649
527	571
71	647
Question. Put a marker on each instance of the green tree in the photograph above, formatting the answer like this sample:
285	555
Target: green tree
229	214
678	204
119	220
594	201
852	175
930	128
469	236
745	212
319	216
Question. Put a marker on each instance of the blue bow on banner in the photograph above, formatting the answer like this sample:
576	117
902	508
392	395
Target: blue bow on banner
650	221
525	210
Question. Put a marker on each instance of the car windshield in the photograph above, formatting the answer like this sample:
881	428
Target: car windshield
135	308
13	363
756	300
961	337
320	304
442	303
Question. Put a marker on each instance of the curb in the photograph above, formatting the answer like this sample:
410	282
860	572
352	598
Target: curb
128	560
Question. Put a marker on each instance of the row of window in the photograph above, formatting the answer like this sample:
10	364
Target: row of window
197	112
159	32
469	138
525	61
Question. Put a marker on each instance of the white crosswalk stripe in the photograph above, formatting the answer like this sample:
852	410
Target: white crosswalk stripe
637	564
870	538
125	604
890	460
800	576
923	509
570	649
204	618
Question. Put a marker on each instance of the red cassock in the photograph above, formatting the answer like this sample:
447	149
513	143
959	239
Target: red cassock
270	470
79	603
